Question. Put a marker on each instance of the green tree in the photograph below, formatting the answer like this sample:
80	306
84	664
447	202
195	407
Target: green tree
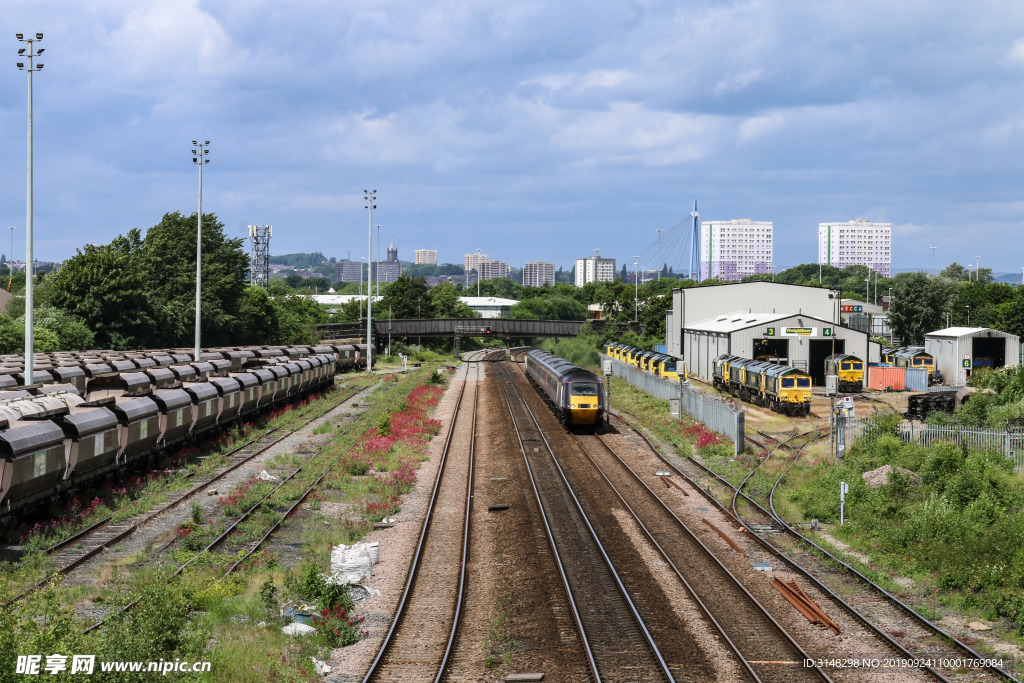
918	306
72	333
406	297
169	265
297	316
553	307
444	299
259	317
106	288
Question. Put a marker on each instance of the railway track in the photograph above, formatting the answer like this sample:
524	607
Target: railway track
616	640
892	621
418	644
764	648
76	550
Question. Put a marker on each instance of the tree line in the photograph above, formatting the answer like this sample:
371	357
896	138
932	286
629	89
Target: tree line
139	292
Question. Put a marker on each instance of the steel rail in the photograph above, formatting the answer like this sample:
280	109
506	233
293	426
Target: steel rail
618	581
682	525
153	514
465	543
417	553
588	651
907	609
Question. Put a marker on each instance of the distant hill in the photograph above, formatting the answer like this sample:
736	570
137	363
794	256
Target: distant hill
300	260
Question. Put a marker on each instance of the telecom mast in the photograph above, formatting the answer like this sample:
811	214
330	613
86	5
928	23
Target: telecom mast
260	267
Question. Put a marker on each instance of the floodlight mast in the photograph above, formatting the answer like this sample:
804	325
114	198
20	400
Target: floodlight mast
30	53
371	197
199	158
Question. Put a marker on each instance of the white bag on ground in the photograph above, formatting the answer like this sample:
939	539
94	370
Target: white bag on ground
353	563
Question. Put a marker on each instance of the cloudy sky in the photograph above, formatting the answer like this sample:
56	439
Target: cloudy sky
530	130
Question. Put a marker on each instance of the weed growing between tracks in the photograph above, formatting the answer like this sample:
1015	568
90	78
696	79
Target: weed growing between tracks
953	526
141	492
202	616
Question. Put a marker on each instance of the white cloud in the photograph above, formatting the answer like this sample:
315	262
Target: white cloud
737	82
759	126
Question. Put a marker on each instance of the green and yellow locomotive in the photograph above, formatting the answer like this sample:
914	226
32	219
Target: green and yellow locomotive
849	369
782	388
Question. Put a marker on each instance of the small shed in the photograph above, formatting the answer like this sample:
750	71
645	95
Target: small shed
958	351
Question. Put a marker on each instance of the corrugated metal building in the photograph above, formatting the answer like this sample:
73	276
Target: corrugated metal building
768	319
800	340
958	350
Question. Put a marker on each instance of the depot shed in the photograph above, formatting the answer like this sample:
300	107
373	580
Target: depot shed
795	339
960	350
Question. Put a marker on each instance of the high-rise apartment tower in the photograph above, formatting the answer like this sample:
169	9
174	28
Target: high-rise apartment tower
537	273
731	250
856	242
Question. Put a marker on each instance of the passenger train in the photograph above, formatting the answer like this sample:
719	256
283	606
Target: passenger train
782	388
92	414
575	394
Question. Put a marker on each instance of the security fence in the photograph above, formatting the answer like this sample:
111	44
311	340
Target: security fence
716	414
1009	442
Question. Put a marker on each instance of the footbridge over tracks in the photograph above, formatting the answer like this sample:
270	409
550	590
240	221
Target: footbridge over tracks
505	328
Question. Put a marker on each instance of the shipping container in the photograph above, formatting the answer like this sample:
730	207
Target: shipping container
880	378
916	379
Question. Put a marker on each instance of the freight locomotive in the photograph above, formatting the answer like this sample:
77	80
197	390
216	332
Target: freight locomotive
575	394
653	362
93	414
849	369
912	357
782	388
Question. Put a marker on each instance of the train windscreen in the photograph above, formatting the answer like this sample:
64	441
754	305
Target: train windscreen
803	382
584	389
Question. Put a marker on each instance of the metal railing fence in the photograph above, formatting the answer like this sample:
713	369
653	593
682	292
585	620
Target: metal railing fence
1010	443
716	414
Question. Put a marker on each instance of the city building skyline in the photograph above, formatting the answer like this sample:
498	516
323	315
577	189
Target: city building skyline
492	270
594	269
734	249
425	256
856	242
538	273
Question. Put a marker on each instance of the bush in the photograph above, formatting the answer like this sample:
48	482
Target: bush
335	628
309	584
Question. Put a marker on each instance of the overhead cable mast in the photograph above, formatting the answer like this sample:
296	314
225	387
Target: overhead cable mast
259	274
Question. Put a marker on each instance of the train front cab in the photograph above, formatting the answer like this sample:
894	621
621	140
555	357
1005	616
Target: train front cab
583	401
849	369
788	390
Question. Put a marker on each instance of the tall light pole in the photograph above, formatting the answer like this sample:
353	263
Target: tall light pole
659	255
968	315
977	269
30	53
377	278
636	289
867	289
933	257
371	197
10	255
361	261
199	158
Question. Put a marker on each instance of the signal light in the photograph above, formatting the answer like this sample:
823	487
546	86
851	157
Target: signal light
487	330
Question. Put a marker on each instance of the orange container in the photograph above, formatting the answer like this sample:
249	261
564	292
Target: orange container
880	378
